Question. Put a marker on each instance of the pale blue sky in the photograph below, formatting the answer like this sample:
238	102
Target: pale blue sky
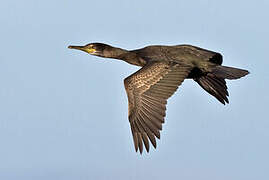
63	113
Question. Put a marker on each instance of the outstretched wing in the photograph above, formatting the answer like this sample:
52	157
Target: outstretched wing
148	90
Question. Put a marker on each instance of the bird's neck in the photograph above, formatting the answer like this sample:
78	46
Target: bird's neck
125	55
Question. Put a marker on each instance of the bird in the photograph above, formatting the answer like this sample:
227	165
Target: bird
164	68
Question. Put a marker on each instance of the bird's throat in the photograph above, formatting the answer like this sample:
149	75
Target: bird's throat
125	55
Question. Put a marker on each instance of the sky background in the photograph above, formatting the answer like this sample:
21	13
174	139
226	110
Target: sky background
63	113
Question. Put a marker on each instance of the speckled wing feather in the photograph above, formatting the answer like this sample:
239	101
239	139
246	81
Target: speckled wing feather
148	90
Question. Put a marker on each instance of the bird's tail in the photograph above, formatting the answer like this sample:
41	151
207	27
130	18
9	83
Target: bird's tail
214	82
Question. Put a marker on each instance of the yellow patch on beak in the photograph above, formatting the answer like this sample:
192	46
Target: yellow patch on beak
90	50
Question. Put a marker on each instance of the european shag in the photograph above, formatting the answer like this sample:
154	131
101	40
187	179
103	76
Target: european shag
164	68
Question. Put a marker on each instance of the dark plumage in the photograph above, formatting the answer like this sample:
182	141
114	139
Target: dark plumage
164	68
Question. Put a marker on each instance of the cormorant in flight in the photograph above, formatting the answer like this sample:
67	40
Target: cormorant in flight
164	68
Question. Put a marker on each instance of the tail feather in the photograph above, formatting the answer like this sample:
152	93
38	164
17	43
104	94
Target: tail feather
229	72
214	82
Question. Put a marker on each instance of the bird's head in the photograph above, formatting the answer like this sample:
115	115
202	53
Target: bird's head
97	49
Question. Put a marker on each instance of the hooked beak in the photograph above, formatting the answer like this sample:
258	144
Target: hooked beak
76	47
83	48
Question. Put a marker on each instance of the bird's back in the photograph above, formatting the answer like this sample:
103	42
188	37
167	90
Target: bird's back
180	53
